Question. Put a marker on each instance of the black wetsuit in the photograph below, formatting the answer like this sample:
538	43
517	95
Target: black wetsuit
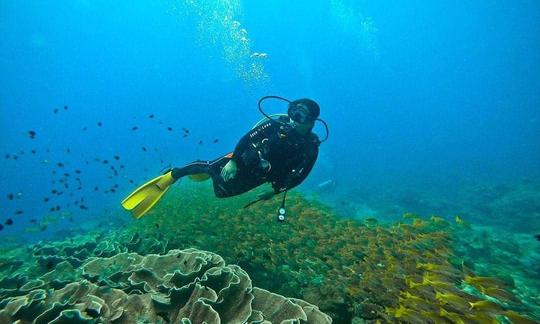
273	152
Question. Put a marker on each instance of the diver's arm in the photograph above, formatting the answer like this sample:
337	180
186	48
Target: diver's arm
229	170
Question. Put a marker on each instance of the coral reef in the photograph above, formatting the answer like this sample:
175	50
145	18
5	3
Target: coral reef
181	286
352	270
417	270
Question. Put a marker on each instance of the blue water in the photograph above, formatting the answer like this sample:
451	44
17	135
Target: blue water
421	95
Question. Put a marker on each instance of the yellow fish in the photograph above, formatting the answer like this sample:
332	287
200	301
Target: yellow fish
500	294
370	221
461	222
415	302
485	282
417	223
517	318
437	219
436	318
483	318
437	277
456	302
443	287
411	283
410	216
408	315
453	317
486	306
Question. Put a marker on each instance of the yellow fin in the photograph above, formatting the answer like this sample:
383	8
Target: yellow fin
140	201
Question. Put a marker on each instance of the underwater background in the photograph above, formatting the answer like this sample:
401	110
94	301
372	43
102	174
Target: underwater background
423	206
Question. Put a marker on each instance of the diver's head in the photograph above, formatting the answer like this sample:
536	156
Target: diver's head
304	113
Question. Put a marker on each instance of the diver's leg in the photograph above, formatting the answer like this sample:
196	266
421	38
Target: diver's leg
222	188
192	168
234	187
240	184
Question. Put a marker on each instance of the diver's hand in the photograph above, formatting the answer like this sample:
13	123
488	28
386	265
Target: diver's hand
265	195
229	170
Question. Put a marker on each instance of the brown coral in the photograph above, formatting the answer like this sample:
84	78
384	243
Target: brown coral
186	286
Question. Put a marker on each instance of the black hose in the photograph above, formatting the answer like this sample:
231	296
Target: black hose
287	100
269	97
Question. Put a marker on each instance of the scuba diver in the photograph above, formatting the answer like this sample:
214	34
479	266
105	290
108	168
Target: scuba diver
280	149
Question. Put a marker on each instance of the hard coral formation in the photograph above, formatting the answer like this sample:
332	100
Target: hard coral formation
182	286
